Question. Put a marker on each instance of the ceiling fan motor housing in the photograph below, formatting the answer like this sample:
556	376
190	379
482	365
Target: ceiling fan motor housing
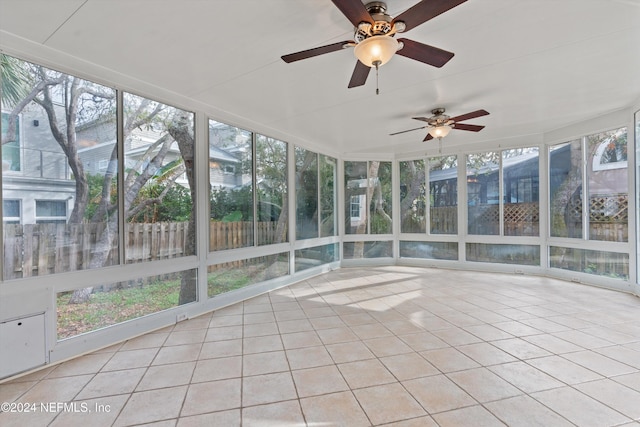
382	23
439	118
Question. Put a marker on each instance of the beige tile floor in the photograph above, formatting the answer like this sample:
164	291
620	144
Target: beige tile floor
357	347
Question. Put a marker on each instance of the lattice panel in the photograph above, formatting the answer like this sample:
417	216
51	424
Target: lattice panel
522	212
609	208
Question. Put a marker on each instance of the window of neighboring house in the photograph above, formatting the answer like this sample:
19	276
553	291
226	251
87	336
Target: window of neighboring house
355	207
229	169
51	211
11	150
611	151
103	164
11	211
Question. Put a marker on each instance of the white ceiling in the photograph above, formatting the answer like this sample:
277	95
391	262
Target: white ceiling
535	65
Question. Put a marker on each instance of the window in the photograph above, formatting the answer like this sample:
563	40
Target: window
521	184
306	193
315	194
610	151
231	195
159	183
50	194
412	196
328	174
272	199
11	211
51	212
607	186
565	185
370	182
597	192
11	148
226	277
316	256
482	193
589	185
113	303
355	207
443	193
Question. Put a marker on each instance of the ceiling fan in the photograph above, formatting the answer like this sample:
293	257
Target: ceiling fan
440	124
374	42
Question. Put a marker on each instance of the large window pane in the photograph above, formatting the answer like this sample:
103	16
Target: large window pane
521	183
429	250
159	181
412	197
368	198
607	183
361	250
115	303
234	275
271	190
59	168
316	256
565	185
483	197
503	254
231	182
443	194
306	193
381	197
600	263
328	198
355	193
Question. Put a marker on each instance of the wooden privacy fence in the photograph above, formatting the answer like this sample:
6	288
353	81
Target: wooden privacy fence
42	249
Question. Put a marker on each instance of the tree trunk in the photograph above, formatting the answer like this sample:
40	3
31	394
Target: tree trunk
358	247
181	130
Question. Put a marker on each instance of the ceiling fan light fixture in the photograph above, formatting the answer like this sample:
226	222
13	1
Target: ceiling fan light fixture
376	50
440	131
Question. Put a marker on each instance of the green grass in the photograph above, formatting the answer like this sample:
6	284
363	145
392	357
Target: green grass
114	306
225	281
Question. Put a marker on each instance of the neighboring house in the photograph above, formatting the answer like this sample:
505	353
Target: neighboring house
36	179
521	181
37	182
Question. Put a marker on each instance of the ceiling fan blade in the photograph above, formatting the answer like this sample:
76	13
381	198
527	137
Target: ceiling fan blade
424	53
464	126
424	119
424	11
359	76
472	115
310	53
428	137
405	131
354	10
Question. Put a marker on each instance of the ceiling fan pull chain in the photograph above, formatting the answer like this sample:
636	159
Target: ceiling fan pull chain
377	64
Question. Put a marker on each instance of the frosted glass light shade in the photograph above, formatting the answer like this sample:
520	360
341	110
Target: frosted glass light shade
376	48
440	131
